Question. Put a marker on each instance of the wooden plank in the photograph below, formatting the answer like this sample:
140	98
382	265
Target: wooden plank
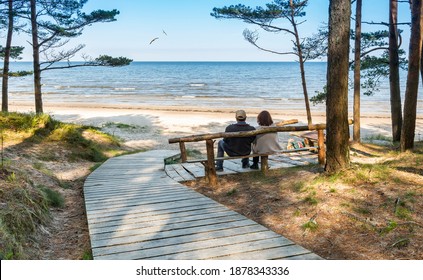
195	237
149	209
308	256
166	218
156	235
118	195
148	228
222	251
149	206
194	246
95	221
196	169
236	165
277	164
171	172
282	252
110	186
183	173
136	211
179	221
139	194
135	201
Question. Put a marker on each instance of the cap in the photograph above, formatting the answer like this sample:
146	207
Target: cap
240	115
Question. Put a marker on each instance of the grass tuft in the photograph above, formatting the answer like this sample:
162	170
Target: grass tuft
54	198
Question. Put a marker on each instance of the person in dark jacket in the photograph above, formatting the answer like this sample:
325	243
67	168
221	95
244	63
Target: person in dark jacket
238	146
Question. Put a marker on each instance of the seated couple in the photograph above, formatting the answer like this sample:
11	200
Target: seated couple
241	146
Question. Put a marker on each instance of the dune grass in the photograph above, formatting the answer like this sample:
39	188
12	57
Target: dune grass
25	204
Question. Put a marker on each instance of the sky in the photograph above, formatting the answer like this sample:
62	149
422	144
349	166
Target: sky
192	34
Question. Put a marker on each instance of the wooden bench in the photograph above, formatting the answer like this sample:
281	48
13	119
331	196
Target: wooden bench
209	162
264	166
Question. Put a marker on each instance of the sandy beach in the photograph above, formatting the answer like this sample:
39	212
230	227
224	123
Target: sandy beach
150	127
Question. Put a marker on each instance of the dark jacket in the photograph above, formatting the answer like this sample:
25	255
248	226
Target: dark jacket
239	146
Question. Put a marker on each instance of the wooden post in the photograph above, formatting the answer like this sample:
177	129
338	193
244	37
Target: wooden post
183	151
264	164
321	147
210	168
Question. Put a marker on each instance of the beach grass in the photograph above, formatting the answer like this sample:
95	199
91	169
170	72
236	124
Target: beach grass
372	209
32	149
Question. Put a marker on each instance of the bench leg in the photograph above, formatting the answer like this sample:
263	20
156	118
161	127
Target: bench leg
321	147
209	165
264	164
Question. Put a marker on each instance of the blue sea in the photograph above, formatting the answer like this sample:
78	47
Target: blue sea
196	84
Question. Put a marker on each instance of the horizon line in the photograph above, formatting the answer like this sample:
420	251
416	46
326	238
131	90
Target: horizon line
199	61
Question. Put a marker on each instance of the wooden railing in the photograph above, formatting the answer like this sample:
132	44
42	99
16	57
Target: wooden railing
209	163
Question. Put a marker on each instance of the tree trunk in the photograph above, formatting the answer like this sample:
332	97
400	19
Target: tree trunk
414	56
357	69
36	59
394	78
337	131
301	62
303	79
5	78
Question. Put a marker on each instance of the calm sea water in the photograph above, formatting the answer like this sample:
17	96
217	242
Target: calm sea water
182	83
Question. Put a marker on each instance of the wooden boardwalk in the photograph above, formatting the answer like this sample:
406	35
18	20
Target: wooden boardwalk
136	211
182	172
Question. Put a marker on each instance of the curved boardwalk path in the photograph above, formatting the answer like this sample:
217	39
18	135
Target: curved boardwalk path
135	211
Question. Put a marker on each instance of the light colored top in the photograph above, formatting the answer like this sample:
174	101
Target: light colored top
266	143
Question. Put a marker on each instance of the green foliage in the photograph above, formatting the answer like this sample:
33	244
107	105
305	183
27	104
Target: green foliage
378	137
106	60
120	125
20	73
311	199
361	210
298	186
390	227
87	255
276	9
265	18
11	177
15	52
53	198
25	122
231	192
320	96
95	166
24	209
403	212
310	225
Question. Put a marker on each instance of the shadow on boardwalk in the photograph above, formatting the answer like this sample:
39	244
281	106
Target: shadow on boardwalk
135	211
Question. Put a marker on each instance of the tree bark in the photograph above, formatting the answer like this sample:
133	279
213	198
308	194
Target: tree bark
410	102
6	62
337	131
301	62
36	59
357	69
394	78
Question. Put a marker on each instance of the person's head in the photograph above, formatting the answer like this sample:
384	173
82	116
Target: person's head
240	115
264	118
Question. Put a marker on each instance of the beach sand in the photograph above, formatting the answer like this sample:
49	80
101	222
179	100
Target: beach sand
151	127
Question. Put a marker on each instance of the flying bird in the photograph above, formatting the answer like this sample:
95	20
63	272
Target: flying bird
153	40
164	32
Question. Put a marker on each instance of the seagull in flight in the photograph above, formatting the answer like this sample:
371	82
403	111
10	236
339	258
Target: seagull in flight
153	40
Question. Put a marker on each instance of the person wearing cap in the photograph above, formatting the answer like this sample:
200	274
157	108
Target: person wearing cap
237	146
